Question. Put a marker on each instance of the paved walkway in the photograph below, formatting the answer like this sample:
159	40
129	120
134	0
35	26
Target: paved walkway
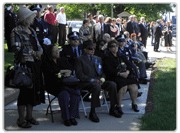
128	122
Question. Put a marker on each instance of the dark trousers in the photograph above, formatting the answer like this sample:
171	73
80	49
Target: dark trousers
9	44
156	45
95	89
144	42
54	31
142	70
69	104
62	34
8	39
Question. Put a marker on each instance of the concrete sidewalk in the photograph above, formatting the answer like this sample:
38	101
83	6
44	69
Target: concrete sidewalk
128	122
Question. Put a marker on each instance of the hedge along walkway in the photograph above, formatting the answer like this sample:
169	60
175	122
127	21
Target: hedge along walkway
161	103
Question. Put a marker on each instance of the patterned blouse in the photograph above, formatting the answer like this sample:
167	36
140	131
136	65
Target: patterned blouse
21	44
83	34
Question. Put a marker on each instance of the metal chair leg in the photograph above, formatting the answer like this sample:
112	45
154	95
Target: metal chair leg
104	99
84	108
50	108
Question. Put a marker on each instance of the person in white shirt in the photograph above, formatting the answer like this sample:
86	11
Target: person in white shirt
61	19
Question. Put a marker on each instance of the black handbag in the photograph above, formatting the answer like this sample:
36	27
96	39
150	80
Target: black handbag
71	81
19	76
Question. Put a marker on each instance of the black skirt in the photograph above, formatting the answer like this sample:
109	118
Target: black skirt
121	82
35	95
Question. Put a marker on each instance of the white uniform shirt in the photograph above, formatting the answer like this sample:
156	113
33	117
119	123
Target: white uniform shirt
61	18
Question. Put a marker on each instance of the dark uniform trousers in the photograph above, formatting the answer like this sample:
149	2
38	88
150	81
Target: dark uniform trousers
62	34
54	31
95	89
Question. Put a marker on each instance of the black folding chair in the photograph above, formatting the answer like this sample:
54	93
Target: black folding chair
49	108
85	107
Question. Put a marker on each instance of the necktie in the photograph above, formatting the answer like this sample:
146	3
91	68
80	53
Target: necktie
101	32
91	58
75	53
133	27
144	25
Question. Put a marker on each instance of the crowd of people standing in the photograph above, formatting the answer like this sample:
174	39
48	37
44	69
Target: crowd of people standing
104	54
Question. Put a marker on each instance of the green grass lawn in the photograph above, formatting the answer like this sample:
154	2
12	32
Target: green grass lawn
163	117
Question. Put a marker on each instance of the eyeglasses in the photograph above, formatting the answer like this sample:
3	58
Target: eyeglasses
90	48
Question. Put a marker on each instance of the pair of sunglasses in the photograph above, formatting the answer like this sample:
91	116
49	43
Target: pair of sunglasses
90	48
101	44
112	46
75	39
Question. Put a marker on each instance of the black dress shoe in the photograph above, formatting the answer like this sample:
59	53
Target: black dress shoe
73	121
142	81
139	94
135	107
147	80
115	113
67	123
87	99
119	109
93	117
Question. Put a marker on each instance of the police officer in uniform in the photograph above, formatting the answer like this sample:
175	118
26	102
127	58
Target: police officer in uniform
10	23
124	51
42	29
74	49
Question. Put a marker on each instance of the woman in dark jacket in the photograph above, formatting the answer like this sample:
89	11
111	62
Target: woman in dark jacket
168	36
119	70
54	68
107	26
101	49
28	51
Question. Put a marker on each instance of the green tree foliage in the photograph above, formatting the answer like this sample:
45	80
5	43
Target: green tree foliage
16	6
72	10
150	11
78	11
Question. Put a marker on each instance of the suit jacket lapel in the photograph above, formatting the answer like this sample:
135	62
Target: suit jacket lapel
87	60
70	51
96	64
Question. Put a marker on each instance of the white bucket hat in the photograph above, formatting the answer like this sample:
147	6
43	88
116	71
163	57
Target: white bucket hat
24	13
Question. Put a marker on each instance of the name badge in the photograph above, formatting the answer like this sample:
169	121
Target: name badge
37	28
68	56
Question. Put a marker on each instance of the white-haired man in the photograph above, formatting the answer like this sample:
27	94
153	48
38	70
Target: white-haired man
137	29
99	29
143	31
61	18
130	25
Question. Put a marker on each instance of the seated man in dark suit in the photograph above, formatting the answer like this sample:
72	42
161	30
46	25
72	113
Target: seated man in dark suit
73	50
88	70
